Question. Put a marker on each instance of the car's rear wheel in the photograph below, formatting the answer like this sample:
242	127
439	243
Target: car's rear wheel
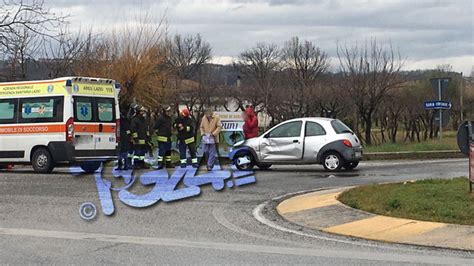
90	167
244	161
42	161
264	166
332	161
351	165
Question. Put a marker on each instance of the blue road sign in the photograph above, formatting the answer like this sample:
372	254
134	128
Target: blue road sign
438	105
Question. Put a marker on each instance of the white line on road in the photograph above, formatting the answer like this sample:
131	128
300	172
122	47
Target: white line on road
234	247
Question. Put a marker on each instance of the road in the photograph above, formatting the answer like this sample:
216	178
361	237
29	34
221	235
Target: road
40	222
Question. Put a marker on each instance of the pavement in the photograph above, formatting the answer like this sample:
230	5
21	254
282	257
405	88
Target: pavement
40	222
322	211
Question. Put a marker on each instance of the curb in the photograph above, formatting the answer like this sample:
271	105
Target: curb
412	155
322	211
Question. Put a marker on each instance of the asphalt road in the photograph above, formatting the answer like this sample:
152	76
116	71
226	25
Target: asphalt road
40	222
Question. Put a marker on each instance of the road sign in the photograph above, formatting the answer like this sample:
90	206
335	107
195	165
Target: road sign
438	105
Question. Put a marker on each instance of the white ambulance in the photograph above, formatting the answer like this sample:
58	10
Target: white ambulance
72	120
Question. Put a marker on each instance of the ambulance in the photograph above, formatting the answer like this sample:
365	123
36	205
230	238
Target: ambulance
64	121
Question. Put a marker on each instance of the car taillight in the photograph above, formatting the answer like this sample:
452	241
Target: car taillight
347	143
117	130
70	130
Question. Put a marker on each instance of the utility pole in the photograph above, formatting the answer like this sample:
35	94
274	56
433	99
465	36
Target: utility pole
461	98
440	112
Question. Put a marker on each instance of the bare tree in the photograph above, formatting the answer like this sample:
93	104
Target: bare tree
370	73
60	54
258	66
187	54
23	46
32	15
304	64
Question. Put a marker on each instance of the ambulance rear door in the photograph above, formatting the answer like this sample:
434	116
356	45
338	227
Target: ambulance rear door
105	139
84	125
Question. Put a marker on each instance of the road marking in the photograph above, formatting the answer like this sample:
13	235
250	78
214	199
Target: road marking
307	201
234	247
221	219
384	228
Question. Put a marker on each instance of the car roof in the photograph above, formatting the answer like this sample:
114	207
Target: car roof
316	119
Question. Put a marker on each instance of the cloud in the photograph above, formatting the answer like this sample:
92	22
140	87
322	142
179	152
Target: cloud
429	31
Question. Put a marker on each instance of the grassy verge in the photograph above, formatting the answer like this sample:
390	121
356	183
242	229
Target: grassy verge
437	200
447	143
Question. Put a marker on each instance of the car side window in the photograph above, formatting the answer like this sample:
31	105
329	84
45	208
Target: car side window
314	129
288	130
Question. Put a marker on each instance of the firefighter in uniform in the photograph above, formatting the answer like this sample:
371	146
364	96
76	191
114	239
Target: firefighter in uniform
185	126
125	148
140	137
163	131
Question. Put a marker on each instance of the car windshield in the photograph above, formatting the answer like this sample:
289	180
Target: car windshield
340	127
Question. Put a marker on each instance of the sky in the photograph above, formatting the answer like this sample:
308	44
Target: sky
426	32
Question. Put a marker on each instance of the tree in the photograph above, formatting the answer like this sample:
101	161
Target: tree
370	73
185	58
258	66
61	54
187	54
16	15
134	56
304	64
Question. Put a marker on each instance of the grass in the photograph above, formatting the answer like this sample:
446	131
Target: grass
448	142
438	200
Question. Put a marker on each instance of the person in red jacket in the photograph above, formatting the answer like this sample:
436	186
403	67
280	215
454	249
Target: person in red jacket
251	123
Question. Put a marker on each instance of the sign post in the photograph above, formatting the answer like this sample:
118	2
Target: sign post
440	85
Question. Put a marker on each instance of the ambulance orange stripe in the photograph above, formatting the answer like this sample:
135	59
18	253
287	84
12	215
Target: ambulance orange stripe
32	129
94	128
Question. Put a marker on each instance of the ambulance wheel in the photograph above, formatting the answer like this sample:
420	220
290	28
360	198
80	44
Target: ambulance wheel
90	167
42	161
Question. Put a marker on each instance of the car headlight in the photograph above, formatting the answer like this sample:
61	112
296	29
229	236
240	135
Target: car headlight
239	143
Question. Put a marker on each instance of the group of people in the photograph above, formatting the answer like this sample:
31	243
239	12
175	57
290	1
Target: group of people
137	129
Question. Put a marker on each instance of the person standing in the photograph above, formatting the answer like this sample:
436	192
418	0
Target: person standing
210	128
140	137
185	126
163	131
125	147
250	126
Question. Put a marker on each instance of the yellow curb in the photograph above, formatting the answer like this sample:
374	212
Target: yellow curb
384	228
307	201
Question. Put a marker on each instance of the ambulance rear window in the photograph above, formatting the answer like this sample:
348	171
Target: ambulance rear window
105	110
83	109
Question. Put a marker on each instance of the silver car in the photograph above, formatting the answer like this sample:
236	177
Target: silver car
312	140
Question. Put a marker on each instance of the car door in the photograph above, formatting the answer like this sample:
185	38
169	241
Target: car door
284	143
315	139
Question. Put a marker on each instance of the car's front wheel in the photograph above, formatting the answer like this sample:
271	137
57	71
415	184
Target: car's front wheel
244	161
351	165
332	161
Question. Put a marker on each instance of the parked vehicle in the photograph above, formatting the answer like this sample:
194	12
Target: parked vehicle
312	140
61	121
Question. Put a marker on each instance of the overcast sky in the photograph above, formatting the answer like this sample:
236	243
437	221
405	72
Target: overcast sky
427	32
